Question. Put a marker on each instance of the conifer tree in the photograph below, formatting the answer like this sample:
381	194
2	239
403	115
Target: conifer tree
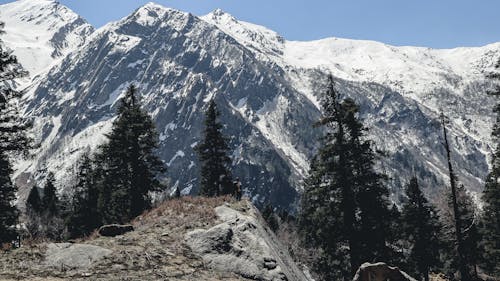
53	211
50	201
455	207
13	139
422	229
469	222
216	177
84	216
34	210
270	217
396	237
490	230
130	167
8	212
344	208
177	193
371	194
34	201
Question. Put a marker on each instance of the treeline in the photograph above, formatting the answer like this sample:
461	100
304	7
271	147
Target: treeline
346	217
113	185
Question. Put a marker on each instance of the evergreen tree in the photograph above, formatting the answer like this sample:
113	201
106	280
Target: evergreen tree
8	212
422	229
12	139
177	193
34	210
396	237
468	216
344	208
50	201
216	177
53	211
270	217
371	194
34	201
455	207
130	168
490	230
84	216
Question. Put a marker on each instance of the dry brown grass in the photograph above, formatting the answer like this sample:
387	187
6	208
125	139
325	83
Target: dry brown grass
202	207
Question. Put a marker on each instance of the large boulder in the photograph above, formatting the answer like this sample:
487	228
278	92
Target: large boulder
380	272
112	230
243	245
74	256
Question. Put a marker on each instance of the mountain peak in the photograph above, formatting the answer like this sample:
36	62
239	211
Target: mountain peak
154	6
42	31
218	14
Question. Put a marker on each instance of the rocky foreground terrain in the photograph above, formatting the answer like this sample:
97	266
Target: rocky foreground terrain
185	239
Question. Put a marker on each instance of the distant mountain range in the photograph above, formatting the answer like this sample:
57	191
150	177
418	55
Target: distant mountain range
268	89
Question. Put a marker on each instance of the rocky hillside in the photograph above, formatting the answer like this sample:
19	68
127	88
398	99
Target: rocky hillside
268	89
185	239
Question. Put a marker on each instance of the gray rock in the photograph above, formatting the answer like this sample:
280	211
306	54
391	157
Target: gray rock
242	245
75	256
112	230
380	272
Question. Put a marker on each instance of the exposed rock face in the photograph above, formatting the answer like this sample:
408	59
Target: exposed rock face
241	244
112	230
267	88
380	272
67	255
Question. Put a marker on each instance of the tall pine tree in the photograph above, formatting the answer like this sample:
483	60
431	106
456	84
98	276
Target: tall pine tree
34	201
216	176
490	230
34	210
130	168
344	208
84	216
13	139
422	229
458	223
50	201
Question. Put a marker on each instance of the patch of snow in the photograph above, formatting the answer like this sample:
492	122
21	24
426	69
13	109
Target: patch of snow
178	154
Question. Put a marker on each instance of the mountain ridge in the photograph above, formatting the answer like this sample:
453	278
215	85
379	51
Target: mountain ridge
268	100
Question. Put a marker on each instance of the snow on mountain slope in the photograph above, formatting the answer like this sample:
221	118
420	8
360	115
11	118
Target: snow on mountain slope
407	69
41	32
179	62
451	80
411	70
268	90
418	73
259	39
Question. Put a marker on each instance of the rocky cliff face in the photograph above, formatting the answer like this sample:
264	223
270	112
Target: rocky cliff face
268	90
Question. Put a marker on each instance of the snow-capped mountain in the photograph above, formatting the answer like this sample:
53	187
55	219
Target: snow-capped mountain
268	90
42	32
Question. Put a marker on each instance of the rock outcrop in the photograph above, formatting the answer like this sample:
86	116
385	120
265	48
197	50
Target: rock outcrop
156	250
67	255
241	244
380	272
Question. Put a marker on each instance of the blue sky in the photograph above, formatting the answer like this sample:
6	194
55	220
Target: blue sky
429	23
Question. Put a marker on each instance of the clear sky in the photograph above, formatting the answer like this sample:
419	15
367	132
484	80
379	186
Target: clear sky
429	23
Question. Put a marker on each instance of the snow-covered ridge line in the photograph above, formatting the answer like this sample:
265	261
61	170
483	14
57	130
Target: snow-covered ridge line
268	90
